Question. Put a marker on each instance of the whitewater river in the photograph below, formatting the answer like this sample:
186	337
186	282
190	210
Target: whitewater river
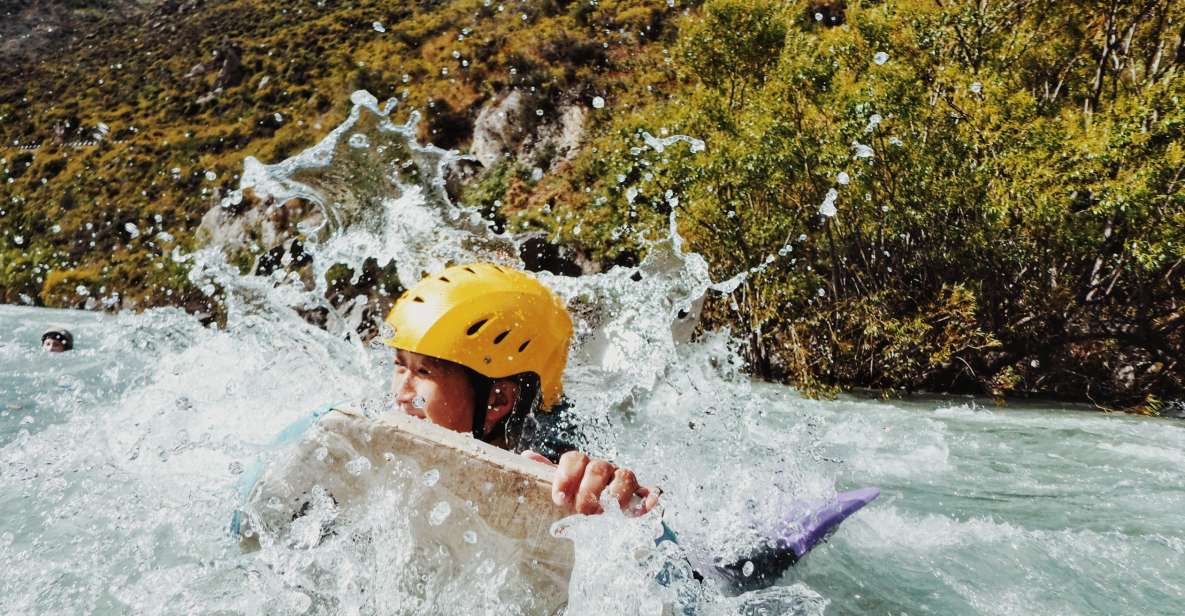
120	461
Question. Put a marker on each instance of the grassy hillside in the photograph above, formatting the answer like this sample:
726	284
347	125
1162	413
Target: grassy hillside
954	196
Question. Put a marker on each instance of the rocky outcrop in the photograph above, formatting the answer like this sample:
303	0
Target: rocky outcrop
259	228
510	126
32	29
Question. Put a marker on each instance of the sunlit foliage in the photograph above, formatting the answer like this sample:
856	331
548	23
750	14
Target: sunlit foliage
923	194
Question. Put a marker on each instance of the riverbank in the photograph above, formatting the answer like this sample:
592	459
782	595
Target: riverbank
915	209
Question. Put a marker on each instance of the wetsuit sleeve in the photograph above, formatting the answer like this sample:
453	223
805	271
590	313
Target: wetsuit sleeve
546	433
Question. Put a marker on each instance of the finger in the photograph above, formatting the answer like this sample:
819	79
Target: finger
536	456
597	475
649	498
567	477
623	486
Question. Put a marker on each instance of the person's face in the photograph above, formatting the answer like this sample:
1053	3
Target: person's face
437	390
53	345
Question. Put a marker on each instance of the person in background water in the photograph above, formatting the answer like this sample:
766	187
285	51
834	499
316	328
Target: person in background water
481	348
57	340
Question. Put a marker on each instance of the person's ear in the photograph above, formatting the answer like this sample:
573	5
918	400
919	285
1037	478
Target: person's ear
502	400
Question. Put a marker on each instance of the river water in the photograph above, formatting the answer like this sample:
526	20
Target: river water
119	461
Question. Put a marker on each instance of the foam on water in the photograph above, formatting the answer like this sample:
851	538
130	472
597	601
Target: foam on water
119	461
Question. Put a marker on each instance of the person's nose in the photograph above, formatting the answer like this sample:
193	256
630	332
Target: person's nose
404	392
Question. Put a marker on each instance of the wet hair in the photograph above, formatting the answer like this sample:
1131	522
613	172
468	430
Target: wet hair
526	401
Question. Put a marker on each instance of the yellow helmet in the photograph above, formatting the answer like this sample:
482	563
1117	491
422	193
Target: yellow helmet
494	320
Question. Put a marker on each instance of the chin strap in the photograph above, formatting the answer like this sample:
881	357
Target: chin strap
479	420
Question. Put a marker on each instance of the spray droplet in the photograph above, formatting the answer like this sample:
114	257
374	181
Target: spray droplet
358	465
470	537
598	102
828	207
862	151
358	140
211	176
378	27
880	57
843	178
419	402
431	477
747	569
439	513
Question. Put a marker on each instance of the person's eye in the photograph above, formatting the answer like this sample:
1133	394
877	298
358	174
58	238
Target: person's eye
423	372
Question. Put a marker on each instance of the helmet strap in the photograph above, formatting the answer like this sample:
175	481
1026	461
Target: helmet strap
481	385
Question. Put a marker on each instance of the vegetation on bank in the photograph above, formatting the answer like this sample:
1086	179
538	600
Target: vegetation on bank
952	196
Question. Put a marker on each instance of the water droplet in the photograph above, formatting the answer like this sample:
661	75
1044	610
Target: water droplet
431	477
439	513
880	57
378	27
843	178
862	151
470	537
211	176
598	102
419	402
358	465
828	207
132	230
747	569
976	87
358	140
536	174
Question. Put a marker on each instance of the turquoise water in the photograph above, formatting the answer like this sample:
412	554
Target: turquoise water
119	461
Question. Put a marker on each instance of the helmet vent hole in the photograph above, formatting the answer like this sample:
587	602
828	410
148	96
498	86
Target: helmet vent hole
476	327
443	279
417	299
501	337
499	269
470	270
522	347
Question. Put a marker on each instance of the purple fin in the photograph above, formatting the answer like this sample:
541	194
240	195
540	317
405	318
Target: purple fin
808	524
803	525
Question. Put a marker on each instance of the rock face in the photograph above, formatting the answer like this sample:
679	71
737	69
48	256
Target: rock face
258	228
508	127
499	129
34	28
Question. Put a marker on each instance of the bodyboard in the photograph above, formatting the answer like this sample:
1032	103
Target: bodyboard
489	495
